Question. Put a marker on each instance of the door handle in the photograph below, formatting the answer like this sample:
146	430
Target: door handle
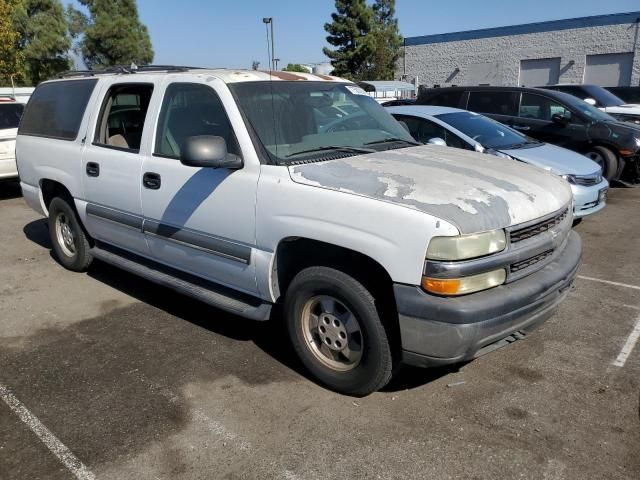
151	180
522	127
93	169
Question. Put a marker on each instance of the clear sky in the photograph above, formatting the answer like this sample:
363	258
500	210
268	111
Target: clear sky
230	33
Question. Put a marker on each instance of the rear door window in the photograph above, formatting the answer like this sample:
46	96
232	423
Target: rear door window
496	103
55	109
10	114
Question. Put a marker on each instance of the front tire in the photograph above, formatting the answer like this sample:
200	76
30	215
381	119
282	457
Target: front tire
69	241
607	161
335	328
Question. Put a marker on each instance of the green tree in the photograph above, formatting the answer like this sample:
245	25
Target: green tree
349	33
111	35
43	38
386	41
11	58
295	67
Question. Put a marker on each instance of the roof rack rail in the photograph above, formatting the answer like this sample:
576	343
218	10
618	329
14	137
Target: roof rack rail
127	70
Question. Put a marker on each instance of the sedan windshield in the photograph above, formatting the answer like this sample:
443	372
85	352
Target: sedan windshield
589	111
313	120
487	132
603	97
10	115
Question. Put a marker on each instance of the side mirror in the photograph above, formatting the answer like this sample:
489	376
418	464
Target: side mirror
437	141
208	151
561	118
478	148
590	101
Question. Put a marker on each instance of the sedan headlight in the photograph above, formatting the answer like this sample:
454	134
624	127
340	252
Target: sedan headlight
463	247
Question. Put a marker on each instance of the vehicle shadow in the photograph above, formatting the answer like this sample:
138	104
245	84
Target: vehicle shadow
9	189
270	337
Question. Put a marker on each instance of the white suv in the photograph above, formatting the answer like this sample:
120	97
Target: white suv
248	189
10	113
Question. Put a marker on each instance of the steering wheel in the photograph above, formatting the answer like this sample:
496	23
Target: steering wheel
478	138
341	124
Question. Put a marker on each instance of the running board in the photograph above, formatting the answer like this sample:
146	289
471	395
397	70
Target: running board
208	292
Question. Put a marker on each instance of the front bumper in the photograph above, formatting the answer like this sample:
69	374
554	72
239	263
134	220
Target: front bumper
439	330
587	199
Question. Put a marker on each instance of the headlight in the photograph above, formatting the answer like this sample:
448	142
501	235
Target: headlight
460	286
463	247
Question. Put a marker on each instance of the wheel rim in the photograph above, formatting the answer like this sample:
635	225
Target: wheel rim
596	157
64	235
332	333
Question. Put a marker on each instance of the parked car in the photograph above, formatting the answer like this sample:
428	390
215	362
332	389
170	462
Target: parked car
603	99
399	102
627	94
471	131
10	113
553	117
221	184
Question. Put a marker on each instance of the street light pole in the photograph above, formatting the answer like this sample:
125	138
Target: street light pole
273	61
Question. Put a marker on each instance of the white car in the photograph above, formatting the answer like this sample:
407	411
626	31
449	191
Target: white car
242	189
471	131
603	99
10	113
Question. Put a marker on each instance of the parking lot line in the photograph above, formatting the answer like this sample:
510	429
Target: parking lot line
56	447
609	282
632	339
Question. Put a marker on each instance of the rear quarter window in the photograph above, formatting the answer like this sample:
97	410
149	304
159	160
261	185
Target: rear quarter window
55	110
497	103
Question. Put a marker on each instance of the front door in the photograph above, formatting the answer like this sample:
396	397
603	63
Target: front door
111	166
535	119
201	220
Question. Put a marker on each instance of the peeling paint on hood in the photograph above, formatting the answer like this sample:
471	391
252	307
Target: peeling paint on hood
473	191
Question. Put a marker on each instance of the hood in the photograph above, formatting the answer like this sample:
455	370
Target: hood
556	159
631	108
473	191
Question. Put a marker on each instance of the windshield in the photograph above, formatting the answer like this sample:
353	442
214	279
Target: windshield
10	115
603	97
589	111
297	120
487	132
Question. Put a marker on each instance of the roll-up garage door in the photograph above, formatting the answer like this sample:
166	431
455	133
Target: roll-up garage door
609	70
542	71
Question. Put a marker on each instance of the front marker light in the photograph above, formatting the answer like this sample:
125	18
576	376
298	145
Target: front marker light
460	286
463	247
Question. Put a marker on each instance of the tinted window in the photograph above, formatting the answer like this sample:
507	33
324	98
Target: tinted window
539	107
10	114
483	130
123	115
424	130
189	110
56	109
497	103
445	99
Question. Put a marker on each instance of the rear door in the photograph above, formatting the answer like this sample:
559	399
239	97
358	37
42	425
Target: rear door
535	119
501	105
115	144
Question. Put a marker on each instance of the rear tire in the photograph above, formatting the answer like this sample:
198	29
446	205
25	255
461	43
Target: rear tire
69	241
606	159
336	330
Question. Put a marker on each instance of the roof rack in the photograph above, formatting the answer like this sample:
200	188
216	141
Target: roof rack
121	69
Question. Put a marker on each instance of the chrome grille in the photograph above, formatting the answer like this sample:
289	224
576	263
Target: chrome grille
516	267
537	228
587	180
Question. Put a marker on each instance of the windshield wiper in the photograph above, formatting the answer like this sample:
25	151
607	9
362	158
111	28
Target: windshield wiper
393	139
334	148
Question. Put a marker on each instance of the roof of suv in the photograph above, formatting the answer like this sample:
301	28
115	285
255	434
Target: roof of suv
226	75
